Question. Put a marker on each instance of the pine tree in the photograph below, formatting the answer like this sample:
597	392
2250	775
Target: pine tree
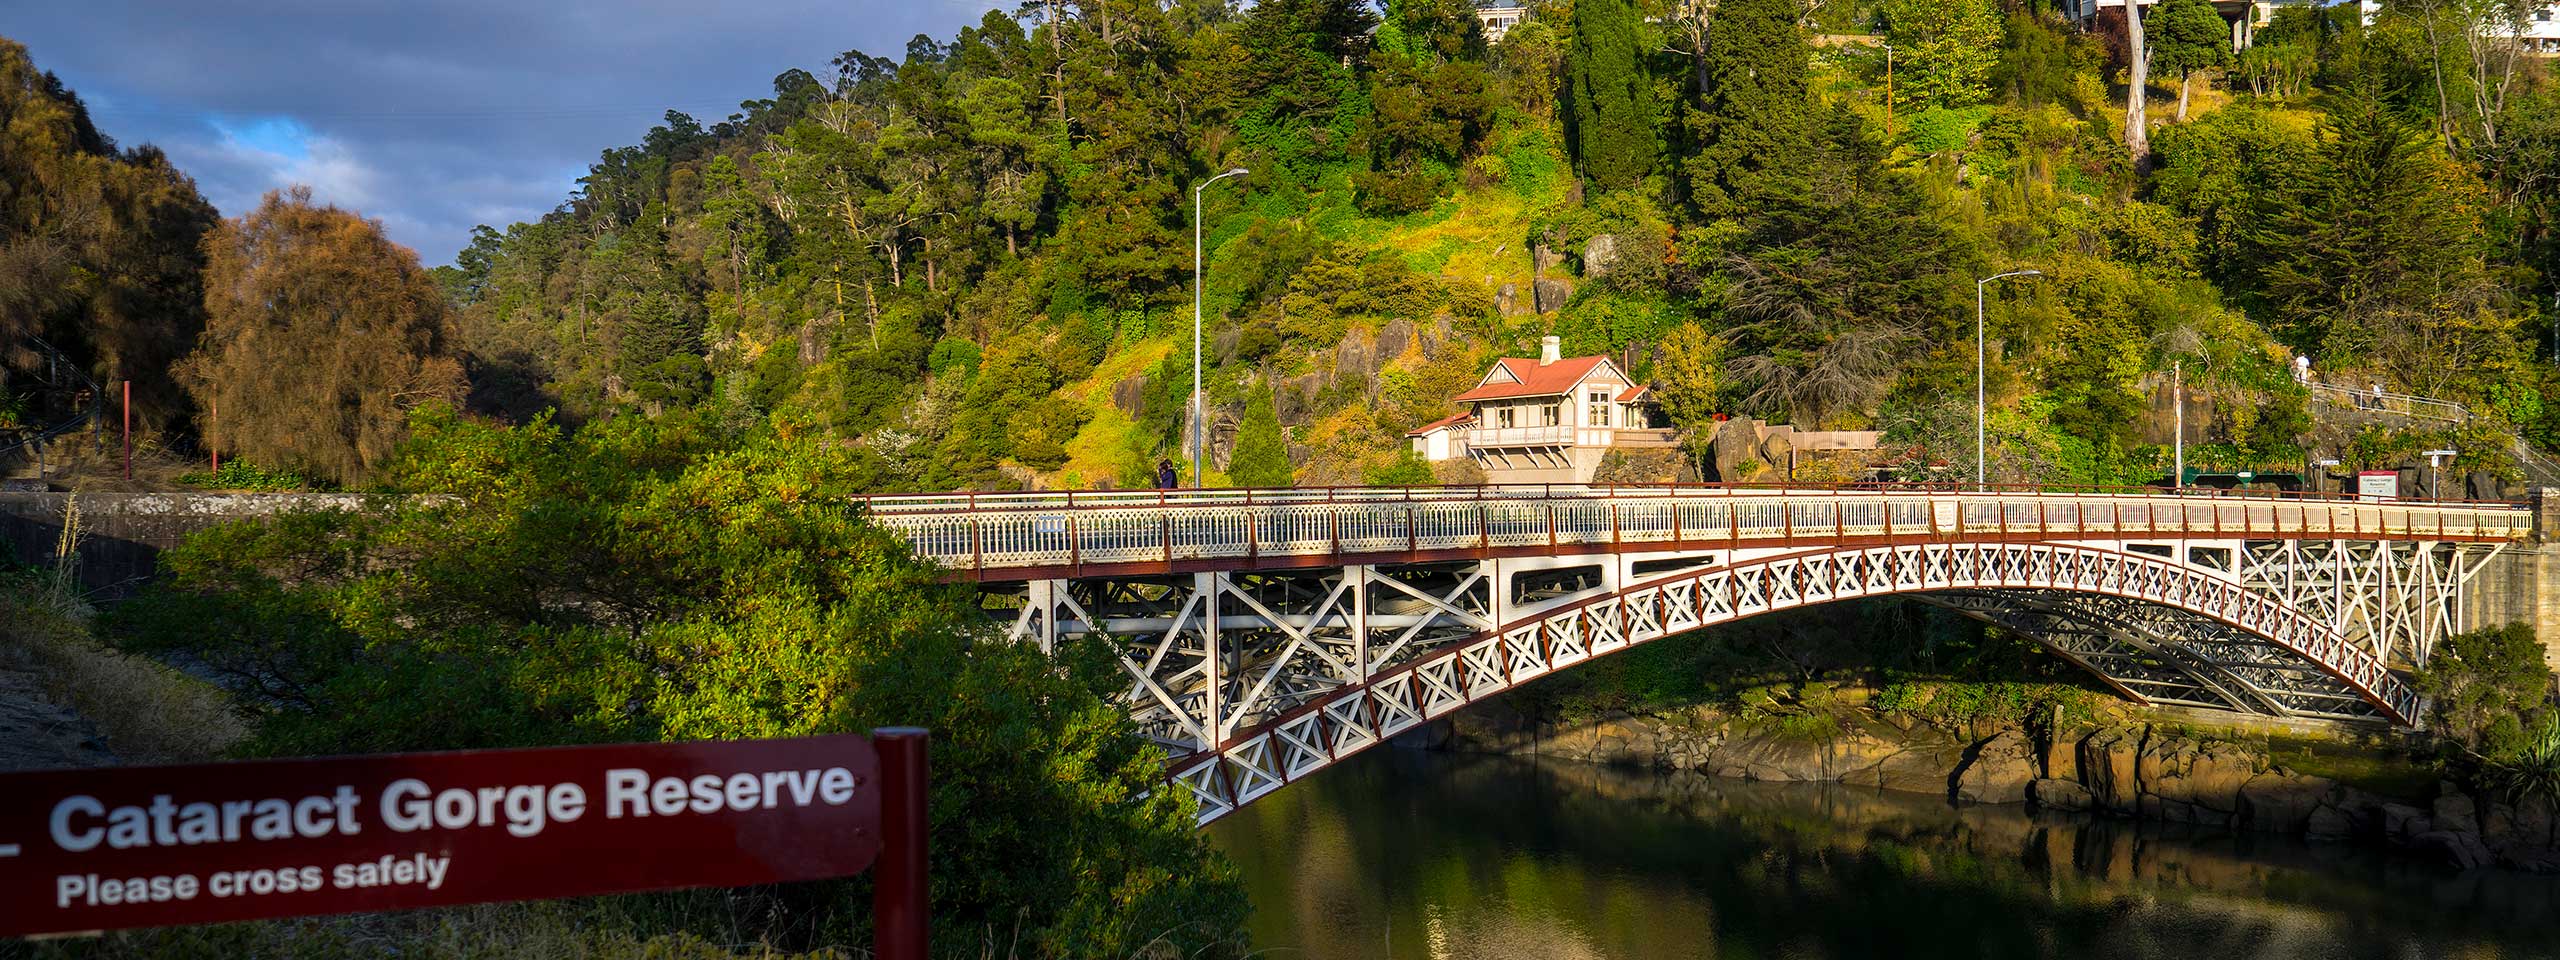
1262	451
1609	109
2377	256
1753	124
2187	36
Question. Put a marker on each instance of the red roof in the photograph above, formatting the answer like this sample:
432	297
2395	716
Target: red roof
1535	380
1633	393
1447	421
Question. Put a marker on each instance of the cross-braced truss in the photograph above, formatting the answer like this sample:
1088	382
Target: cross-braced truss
1257	677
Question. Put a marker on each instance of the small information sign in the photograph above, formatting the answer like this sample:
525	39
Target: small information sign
116	848
2378	484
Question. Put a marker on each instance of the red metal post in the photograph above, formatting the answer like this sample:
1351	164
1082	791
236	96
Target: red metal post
898	921
216	420
128	429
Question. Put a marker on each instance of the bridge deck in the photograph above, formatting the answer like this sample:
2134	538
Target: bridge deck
1019	536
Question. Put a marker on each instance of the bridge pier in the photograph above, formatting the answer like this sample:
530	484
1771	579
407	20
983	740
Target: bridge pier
2523	585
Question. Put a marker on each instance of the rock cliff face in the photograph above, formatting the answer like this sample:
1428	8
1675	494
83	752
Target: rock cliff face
2125	767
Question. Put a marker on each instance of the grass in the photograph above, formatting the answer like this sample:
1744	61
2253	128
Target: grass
145	710
2369	767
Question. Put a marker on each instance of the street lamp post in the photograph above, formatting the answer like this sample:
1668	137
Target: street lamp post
2435	472
1199	424
1981	414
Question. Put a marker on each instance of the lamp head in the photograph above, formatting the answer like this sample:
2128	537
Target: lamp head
1237	172
2031	273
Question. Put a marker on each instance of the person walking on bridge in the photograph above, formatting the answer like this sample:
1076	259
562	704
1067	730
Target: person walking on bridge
1167	477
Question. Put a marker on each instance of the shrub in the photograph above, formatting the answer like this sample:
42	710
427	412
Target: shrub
655	579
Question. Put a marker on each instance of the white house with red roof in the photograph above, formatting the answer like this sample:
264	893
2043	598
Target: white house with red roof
1548	420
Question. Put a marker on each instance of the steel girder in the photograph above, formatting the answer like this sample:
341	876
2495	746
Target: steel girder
1254	678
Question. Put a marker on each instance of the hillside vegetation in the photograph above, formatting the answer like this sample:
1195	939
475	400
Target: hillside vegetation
970	261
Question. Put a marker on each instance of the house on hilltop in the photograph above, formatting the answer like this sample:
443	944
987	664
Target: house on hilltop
1548	420
1498	16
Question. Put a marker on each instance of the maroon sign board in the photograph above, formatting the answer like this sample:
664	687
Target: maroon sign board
124	847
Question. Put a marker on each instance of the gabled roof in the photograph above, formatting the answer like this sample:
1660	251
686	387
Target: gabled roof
1634	393
1440	424
1526	378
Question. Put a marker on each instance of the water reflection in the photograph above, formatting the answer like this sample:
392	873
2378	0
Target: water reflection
1402	854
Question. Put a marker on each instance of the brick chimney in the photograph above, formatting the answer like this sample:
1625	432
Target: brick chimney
1550	350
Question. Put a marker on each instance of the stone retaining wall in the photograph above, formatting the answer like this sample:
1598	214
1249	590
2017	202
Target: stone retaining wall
122	534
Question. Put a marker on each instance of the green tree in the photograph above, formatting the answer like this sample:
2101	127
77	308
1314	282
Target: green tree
2376	255
320	335
1947	49
1609	102
2487	688
1261	457
2188	36
1408	469
657	580
1754	123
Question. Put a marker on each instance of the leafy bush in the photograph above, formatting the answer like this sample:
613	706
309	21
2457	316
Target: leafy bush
649	580
2486	688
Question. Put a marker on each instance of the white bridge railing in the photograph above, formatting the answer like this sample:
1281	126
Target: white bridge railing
988	533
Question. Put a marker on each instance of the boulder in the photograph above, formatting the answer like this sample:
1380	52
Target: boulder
2455	812
1129	396
1544	258
2107	765
1506	300
1355	359
2061	756
2208	775
1551	294
2461	851
2402	822
2283	802
2057	794
1771	756
2327	822
2530	859
1999	770
1393	339
1599	254
1734	454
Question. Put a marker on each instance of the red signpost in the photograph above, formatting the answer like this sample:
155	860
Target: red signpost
117	848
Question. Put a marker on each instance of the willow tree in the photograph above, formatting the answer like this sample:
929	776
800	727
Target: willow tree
320	334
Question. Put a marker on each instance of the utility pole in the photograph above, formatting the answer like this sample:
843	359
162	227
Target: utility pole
1981	413
1199	422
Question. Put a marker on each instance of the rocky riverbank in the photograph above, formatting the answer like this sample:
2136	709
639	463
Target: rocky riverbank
2120	762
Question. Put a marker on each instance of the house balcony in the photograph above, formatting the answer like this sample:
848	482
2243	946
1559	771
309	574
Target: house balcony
1556	436
1568	436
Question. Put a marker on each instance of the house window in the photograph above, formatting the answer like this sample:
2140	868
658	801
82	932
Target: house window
1551	414
1502	417
1598	413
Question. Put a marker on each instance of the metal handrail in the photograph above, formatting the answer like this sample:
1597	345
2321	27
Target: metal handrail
2402	404
985	532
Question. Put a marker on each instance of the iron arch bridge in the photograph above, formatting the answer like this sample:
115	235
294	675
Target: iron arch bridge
1269	633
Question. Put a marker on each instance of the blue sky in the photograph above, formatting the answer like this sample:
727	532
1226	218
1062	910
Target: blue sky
436	116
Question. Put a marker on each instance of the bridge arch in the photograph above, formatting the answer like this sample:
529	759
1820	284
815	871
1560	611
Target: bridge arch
2076	599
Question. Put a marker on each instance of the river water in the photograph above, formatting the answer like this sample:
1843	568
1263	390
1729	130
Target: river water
1403	854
